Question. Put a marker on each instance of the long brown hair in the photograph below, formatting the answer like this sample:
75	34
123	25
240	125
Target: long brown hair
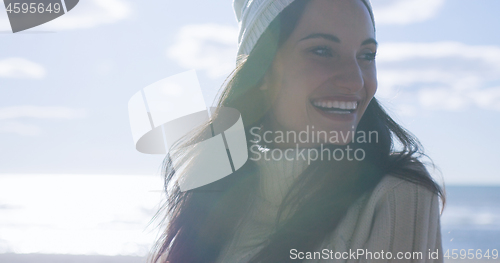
200	222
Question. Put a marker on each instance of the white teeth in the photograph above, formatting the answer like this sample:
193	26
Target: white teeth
350	105
344	105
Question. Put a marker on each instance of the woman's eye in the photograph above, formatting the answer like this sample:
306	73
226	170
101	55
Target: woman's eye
322	51
369	56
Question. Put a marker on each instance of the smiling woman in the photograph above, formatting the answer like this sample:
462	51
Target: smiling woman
307	64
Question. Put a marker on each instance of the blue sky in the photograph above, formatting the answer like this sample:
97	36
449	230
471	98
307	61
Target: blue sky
65	85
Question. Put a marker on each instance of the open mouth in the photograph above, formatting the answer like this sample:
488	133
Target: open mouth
335	106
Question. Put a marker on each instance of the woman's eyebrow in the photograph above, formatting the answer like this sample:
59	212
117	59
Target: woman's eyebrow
370	41
336	39
322	35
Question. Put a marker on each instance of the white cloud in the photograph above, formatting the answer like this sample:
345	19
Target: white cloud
405	51
85	14
444	75
10	123
19	128
487	98
207	47
402	12
442	98
20	68
454	100
29	111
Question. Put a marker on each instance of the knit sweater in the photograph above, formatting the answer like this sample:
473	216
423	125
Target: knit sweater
395	218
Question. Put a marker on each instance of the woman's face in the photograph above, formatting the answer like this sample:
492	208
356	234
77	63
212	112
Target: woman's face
324	74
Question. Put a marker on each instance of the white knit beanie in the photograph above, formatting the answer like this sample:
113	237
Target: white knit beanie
254	16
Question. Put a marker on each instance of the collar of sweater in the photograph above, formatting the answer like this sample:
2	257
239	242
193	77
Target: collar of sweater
276	175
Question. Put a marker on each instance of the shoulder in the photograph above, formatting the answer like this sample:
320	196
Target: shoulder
396	199
403	204
402	195
404	212
399	216
402	191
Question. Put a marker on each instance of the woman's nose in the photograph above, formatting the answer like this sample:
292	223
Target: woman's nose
348	77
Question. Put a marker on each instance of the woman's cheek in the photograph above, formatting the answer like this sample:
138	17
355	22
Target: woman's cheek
371	80
371	90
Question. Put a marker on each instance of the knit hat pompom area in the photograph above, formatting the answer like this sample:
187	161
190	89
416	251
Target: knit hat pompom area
254	16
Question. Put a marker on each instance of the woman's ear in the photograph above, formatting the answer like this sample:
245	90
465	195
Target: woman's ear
273	74
267	81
